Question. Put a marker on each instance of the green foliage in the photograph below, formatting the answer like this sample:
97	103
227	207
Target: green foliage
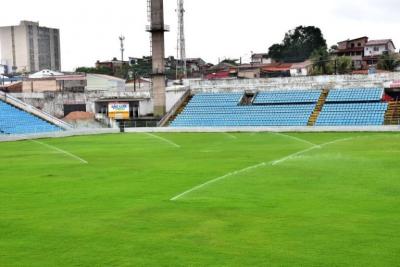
123	72
388	62
102	70
298	44
230	61
335	205
321	62
344	65
143	67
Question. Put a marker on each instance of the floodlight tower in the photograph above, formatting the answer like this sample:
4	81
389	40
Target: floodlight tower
181	42
157	28
122	39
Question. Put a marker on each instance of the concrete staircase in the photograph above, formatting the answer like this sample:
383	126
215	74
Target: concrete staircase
176	110
392	116
179	110
318	108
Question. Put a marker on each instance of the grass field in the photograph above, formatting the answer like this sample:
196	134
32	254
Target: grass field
264	199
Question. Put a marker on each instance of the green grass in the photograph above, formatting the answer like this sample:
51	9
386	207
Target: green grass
338	205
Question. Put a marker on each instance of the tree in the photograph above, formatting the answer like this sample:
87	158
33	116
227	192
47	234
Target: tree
298	44
230	61
343	65
321	61
102	70
388	62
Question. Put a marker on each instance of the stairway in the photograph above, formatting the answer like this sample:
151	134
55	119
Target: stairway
318	108
179	110
392	115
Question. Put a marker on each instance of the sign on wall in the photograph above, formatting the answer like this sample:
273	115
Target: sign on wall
118	111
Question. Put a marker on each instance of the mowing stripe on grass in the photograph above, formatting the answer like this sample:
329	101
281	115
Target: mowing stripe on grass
273	163
163	139
276	162
217	179
295	138
230	135
61	151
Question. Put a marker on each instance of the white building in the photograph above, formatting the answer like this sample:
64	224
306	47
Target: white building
45	74
100	82
260	58
30	48
301	69
379	47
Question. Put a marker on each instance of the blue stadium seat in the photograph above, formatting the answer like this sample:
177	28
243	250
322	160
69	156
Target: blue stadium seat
16	121
353	107
343	107
223	110
357	94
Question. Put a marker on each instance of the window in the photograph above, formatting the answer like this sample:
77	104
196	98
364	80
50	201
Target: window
359	44
376	48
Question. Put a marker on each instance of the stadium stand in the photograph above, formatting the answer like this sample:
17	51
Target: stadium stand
337	107
268	109
288	97
16	121
353	107
358	94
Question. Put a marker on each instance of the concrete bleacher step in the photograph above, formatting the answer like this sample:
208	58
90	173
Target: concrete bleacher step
179	110
392	115
318	108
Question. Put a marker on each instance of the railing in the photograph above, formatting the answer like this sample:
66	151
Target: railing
37	112
174	109
137	124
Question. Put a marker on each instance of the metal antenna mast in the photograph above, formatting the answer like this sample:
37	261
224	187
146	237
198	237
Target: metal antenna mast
181	43
122	39
149	20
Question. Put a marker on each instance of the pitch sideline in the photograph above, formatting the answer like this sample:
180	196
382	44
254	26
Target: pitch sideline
61	151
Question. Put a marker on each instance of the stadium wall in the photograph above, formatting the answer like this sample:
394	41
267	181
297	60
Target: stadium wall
87	132
290	83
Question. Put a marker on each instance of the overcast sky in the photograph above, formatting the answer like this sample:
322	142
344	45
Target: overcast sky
214	28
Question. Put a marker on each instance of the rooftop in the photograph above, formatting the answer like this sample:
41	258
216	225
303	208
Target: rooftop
379	42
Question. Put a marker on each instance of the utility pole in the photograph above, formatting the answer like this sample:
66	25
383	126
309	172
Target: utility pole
122	39
181	42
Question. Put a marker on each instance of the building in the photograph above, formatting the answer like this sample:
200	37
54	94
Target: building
100	82
261	58
3	69
376	48
301	69
275	70
138	84
45	74
114	65
353	48
59	83
30	48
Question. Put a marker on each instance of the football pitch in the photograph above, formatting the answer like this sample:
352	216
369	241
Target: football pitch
205	199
